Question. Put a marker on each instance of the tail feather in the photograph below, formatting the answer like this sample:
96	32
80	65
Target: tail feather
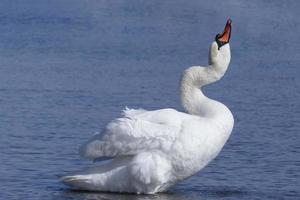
108	176
83	182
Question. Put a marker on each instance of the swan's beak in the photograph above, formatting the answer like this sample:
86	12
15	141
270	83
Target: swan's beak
224	38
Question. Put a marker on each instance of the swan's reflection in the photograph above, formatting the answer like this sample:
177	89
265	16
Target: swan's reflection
178	193
114	196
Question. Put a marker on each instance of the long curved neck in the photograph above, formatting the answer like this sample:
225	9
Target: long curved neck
192	98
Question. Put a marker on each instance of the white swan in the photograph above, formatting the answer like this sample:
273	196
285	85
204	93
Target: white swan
149	151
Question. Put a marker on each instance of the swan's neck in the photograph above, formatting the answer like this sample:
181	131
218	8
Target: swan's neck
192	98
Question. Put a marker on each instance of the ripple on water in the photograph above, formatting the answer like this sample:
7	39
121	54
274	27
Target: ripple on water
67	68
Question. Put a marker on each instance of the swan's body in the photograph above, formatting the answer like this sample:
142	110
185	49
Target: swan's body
149	151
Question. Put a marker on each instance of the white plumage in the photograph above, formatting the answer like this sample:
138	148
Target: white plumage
149	151
136	131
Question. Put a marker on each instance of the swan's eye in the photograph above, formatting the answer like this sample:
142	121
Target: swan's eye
224	38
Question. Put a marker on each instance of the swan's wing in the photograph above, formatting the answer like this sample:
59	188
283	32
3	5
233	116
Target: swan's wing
137	131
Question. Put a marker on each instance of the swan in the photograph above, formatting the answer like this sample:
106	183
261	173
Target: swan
149	151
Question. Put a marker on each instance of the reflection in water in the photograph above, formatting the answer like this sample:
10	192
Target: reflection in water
177	193
114	196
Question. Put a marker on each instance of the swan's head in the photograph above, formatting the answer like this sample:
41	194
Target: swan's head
219	54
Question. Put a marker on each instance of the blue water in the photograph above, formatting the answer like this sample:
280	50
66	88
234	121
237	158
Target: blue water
68	67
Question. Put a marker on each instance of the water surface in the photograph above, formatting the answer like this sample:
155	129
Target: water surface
68	67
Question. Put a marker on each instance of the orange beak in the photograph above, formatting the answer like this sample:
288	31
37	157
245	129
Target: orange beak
224	38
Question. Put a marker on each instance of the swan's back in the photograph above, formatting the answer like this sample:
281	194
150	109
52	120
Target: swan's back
137	131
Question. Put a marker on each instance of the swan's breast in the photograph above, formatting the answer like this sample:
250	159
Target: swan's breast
200	141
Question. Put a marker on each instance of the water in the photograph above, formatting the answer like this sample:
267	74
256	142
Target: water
68	67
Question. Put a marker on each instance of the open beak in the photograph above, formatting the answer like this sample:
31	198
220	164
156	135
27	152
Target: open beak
224	38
